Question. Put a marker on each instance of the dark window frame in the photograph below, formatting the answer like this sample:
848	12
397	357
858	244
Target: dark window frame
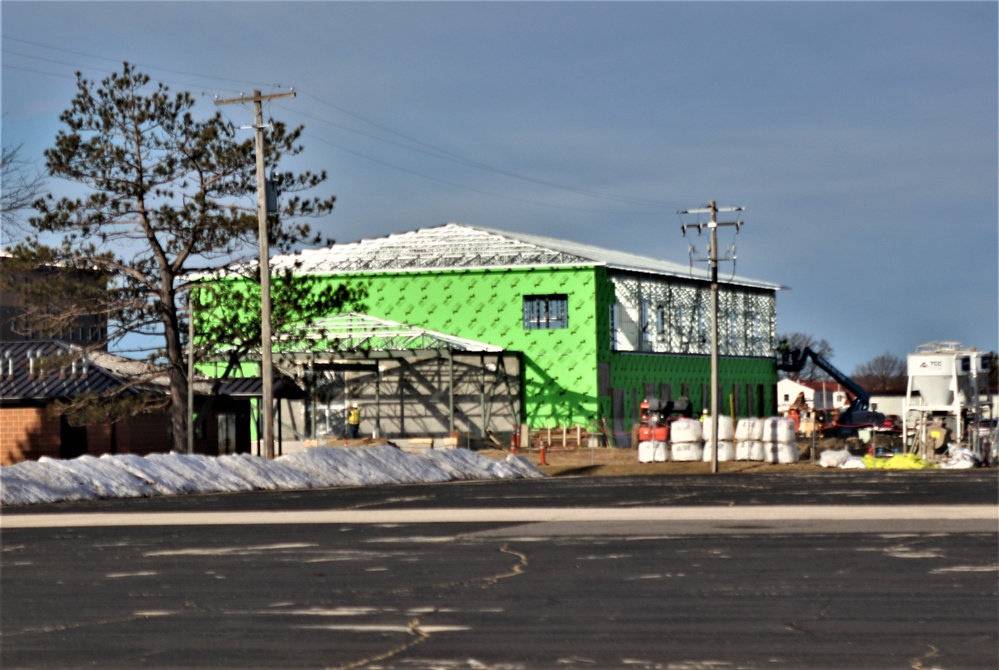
546	312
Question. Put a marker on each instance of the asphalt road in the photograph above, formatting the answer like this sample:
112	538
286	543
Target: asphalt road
835	570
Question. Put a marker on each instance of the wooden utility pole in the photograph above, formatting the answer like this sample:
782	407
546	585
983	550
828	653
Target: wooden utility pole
713	260
266	356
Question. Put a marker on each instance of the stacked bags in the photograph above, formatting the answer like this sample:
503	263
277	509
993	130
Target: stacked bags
685	440
726	446
779	442
749	440
772	440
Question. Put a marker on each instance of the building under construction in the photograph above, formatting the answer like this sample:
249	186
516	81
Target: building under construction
479	331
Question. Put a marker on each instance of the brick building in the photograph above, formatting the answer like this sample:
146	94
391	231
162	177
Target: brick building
35	377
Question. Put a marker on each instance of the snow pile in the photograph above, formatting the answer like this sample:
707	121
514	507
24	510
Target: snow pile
130	476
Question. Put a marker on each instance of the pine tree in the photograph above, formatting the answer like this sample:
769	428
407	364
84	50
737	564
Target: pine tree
166	193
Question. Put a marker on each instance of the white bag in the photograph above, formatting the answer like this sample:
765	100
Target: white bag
687	451
726	451
778	429
787	453
744	430
725	432
742	450
833	458
685	430
652	451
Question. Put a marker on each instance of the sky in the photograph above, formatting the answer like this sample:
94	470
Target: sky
860	137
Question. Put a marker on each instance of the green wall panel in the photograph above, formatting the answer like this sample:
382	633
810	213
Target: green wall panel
632	372
560	385
560	365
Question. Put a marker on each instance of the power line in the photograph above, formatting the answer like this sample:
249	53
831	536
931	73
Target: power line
119	61
446	155
474	190
427	149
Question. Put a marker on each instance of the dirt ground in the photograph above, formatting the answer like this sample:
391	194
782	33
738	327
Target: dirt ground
612	461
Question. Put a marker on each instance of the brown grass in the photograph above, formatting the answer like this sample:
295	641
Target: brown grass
611	462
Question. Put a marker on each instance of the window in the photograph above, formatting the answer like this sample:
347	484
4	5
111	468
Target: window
546	311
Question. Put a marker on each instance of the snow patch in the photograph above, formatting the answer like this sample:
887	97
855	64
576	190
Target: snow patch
49	480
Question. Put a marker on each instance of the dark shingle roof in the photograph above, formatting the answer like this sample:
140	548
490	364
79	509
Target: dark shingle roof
48	371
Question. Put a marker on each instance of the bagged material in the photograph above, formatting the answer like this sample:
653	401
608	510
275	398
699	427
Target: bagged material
833	458
749	430
726	451
742	450
652	451
685	430
687	451
778	430
787	453
756	451
725	431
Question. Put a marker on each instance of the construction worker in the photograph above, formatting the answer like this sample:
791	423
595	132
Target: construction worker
353	422
704	415
784	349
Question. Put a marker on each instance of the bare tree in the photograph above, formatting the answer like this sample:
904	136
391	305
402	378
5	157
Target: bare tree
800	341
20	185
886	372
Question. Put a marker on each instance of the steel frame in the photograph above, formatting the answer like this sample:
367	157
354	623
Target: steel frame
665	315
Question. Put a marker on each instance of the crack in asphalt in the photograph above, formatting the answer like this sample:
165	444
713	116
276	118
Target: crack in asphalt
917	663
420	635
486	580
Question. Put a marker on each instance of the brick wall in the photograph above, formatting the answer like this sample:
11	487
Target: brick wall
144	434
28	433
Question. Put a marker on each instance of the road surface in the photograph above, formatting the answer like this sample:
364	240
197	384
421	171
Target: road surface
852	570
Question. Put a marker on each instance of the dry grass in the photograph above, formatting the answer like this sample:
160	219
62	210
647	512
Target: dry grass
612	462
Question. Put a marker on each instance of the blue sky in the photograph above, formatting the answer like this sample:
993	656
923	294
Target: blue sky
861	137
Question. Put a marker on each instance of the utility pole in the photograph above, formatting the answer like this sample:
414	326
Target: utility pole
190	371
713	259
266	356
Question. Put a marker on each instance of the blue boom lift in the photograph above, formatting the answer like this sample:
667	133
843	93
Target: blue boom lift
858	414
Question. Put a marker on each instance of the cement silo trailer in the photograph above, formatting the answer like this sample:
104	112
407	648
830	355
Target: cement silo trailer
948	400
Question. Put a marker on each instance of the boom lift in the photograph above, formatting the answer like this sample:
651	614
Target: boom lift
858	414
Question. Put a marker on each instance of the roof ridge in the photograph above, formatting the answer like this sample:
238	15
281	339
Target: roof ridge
461	246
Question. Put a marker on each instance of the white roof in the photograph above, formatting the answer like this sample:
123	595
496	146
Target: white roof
454	246
353	331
